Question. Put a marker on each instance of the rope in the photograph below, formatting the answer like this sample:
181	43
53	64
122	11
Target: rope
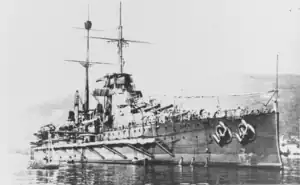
216	96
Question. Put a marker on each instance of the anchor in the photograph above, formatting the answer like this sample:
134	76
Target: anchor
246	133
223	134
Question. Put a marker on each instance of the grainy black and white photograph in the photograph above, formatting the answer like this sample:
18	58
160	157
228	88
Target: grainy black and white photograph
150	92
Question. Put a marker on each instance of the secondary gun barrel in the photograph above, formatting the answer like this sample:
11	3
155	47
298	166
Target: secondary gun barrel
151	108
163	108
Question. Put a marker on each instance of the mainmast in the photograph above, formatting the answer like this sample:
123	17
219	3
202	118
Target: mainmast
121	42
87	26
87	63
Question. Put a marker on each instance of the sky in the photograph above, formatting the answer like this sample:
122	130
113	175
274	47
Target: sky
196	46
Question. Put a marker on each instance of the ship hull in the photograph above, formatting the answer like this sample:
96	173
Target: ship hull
185	142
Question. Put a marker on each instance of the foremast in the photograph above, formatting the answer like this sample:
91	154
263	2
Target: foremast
87	63
87	26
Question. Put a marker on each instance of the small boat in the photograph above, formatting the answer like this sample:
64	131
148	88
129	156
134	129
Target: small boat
51	166
48	162
290	148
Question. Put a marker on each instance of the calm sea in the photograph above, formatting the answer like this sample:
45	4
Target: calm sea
152	174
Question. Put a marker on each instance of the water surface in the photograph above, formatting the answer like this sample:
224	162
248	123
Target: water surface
155	174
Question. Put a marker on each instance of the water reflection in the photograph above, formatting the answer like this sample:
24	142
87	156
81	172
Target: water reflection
156	174
40	176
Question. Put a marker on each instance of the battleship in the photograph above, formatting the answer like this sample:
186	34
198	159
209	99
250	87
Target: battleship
127	128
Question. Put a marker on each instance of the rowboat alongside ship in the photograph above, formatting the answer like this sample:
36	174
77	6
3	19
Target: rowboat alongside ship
48	162
290	148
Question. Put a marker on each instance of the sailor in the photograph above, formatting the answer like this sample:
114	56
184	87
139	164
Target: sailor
201	114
